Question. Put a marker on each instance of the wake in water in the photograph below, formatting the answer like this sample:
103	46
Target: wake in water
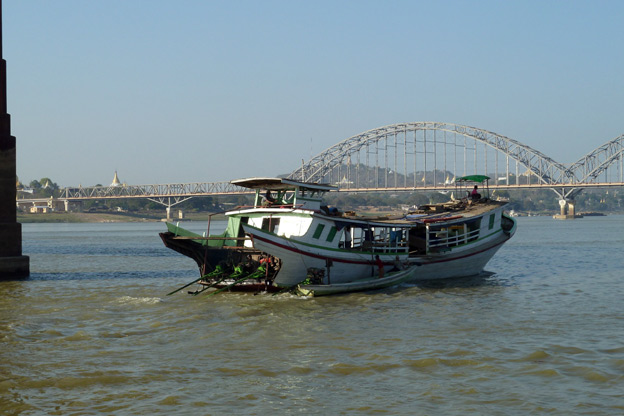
129	300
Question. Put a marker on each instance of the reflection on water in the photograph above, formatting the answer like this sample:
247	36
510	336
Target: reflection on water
93	332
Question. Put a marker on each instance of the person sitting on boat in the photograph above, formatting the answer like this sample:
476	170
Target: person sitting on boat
268	198
475	195
397	264
380	266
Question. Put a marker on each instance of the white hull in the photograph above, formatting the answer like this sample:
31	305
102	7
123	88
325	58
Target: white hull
347	266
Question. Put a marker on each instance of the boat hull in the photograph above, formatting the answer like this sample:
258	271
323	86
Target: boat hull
343	266
207	258
468	263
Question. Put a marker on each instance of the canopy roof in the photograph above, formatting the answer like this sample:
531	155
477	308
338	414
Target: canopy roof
473	178
280	184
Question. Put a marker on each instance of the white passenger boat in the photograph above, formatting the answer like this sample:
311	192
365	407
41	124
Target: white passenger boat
289	239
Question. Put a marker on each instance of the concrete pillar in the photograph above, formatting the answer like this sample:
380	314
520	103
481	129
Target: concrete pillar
168	213
12	263
567	210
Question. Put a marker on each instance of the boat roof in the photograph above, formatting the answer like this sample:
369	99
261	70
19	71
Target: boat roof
280	184
453	212
473	178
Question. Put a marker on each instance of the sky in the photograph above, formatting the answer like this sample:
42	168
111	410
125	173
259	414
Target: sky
206	91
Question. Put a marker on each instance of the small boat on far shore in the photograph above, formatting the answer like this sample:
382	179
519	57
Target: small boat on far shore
593	214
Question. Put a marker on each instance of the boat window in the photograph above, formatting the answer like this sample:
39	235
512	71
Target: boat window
473	229
418	239
270	224
345	238
318	231
492	217
288	197
331	234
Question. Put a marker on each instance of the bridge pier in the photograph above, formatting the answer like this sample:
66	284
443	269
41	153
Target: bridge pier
180	213
568	210
12	263
567	203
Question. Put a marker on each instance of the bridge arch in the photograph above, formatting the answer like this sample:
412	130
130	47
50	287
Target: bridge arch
430	146
596	162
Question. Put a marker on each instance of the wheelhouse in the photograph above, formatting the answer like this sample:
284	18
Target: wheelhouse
285	193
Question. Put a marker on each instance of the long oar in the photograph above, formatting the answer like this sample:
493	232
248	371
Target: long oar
211	285
217	271
228	286
187	285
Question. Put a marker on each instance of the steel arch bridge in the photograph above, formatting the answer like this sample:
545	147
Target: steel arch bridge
591	166
425	155
411	156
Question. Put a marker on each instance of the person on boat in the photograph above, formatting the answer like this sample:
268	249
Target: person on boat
265	261
268	198
397	264
380	266
475	195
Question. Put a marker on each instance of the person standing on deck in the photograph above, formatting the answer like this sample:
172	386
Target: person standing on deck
380	266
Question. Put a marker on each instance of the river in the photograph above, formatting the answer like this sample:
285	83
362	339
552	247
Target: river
92	332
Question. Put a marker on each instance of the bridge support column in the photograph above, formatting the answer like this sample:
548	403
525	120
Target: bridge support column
12	263
568	211
168	208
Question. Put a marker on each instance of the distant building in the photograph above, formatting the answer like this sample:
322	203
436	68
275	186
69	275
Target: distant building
40	209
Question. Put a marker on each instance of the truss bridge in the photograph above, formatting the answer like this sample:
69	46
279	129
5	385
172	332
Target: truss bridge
419	156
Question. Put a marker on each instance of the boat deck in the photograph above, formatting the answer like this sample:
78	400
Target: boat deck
462	208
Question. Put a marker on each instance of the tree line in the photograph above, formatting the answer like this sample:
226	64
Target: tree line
542	201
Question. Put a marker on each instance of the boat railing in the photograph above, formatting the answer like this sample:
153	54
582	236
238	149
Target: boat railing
440	241
381	246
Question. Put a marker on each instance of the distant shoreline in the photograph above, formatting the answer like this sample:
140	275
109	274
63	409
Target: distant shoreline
96	217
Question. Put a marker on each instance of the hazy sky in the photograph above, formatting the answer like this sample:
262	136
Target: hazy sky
201	91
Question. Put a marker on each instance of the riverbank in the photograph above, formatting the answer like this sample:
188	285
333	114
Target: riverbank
94	217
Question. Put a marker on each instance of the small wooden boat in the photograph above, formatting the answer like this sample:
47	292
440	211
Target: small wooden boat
374	283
